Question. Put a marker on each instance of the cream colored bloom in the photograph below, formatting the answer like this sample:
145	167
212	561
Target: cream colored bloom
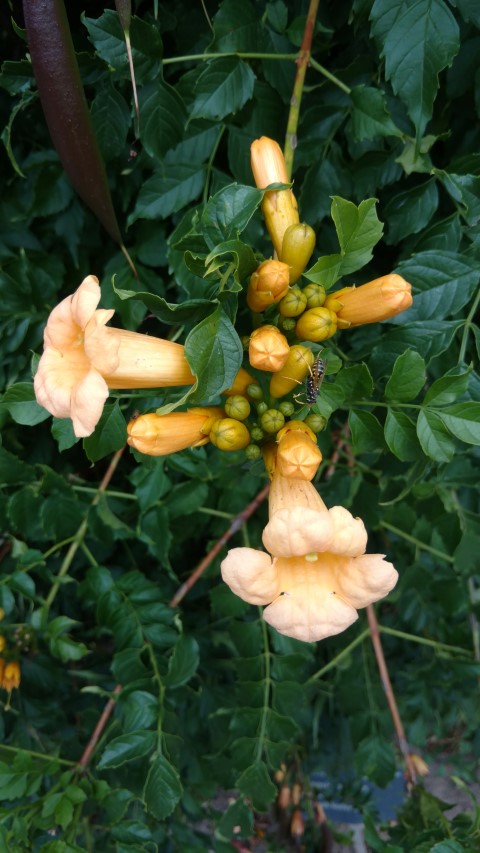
83	358
318	574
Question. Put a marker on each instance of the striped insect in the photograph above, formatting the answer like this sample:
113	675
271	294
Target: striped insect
314	380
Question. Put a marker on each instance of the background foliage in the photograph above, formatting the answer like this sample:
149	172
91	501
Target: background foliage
211	700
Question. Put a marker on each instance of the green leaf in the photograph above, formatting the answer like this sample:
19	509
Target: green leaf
463	421
408	377
214	353
236	28
20	401
401	437
370	117
358	231
239	257
237	821
13	470
190	310
111	120
126	748
410	211
434	436
443	282
140	710
168	191
449	846
255	783
354	382
367	432
418	39
222	88
326	271
163	788
228	212
375	758
465	191
107	36
446	389
183	663
110	434
163	118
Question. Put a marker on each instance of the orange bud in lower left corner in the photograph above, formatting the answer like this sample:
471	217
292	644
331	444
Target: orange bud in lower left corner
10	677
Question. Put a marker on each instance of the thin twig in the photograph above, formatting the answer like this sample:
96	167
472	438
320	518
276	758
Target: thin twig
97	732
235	526
411	776
295	101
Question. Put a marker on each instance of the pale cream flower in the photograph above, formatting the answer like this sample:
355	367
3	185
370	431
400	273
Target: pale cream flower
318	574
83	359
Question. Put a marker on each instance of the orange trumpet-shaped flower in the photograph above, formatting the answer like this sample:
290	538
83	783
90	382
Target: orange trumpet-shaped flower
83	359
377	300
160	435
318	574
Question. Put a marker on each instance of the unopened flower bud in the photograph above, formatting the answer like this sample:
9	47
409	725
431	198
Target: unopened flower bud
237	407
279	207
296	426
269	453
296	793
286	408
256	433
300	359
315	422
287	323
261	407
11	676
378	300
253	452
229	434
272	420
3	642
297	825
284	797
316	324
293	303
297	247
268	349
254	390
241	383
315	294
268	284
160	435
298	456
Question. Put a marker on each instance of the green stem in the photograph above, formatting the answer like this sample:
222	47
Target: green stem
204	56
468	326
422	545
80	534
210	163
161	693
330	76
266	692
343	654
413	638
220	513
37	755
296	99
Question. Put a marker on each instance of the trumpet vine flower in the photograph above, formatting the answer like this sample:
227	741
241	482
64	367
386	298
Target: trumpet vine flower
316	574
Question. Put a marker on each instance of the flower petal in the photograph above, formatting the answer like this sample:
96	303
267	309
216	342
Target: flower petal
349	536
87	402
56	376
251	575
365	579
85	300
297	531
310	614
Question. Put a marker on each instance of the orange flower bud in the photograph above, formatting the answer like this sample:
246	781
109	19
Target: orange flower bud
284	797
378	300
3	642
316	324
297	825
299	360
297	247
229	434
11	676
296	793
298	426
279	207
298	456
268	349
268	284
159	435
315	294
269	453
240	385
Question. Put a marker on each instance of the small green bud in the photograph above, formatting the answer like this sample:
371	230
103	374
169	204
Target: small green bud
256	433
315	294
315	422
262	408
254	391
287	408
253	452
272	420
293	303
287	323
237	407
